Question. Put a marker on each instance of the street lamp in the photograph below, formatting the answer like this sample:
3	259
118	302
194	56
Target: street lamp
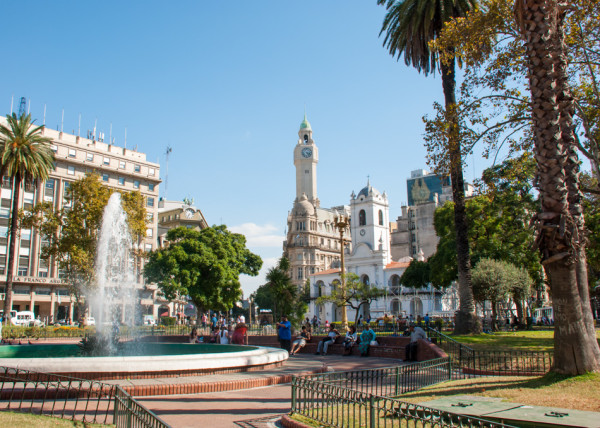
342	221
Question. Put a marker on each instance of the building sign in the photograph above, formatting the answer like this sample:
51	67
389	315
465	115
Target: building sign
38	280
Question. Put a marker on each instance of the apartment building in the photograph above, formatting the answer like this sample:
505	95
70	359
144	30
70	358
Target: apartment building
38	285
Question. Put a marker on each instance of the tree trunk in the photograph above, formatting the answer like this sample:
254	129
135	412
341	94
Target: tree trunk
520	312
466	318
560	223
14	232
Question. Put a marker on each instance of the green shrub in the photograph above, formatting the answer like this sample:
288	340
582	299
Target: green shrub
168	320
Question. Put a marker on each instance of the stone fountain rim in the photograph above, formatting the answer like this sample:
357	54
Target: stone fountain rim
156	363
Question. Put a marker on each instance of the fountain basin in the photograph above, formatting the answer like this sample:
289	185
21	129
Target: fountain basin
158	360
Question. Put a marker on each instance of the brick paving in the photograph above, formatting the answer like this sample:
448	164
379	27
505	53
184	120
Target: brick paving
254	407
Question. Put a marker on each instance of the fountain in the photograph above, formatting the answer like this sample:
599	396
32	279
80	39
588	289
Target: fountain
116	289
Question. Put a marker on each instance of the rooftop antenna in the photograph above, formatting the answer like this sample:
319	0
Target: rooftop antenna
167	153
44	123
95	123
22	106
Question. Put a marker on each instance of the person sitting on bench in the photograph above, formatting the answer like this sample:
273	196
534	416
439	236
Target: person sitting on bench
332	335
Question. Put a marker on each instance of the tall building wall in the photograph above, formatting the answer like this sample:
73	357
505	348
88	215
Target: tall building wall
39	285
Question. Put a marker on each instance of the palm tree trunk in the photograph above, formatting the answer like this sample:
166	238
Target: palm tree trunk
466	318
14	232
560	223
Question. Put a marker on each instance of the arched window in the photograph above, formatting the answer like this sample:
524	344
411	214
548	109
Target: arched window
365	279
362	218
380	218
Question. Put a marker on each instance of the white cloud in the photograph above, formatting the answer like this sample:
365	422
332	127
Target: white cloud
260	235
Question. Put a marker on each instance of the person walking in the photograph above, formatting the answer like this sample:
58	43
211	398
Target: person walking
285	333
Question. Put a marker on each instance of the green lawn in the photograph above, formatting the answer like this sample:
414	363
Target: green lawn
26	420
552	390
535	340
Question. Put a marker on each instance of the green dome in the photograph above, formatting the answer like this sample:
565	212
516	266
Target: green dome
305	123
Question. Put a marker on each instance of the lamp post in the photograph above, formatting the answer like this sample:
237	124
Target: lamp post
342	221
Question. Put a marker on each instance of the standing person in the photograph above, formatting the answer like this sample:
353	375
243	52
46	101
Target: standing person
416	333
214	321
285	333
366	337
240	334
204	320
315	323
332	335
223	337
426	319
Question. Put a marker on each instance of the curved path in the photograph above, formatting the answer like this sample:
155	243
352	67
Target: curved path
254	407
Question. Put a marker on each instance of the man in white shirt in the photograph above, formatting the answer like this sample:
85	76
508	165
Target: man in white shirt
416	333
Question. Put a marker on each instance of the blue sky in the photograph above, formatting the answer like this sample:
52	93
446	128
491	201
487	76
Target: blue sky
225	85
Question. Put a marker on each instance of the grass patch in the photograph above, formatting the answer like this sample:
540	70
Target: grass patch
534	340
552	390
26	420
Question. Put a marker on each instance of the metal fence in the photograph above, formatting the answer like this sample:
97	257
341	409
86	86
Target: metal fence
390	381
500	363
366	398
65	397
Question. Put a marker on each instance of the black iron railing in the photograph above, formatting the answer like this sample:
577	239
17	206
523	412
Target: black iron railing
65	397
350	399
469	361
389	381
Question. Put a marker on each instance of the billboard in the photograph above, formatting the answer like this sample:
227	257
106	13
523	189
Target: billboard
421	189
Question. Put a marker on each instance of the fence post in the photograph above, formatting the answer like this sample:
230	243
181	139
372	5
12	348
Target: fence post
294	384
397	380
129	412
372	411
449	369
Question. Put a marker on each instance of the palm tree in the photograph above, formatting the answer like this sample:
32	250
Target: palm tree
561	227
25	155
409	26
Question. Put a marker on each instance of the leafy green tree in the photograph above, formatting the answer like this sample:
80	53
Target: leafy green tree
204	265
72	232
558	51
499	218
280	295
417	274
410	25
25	156
491	282
356	295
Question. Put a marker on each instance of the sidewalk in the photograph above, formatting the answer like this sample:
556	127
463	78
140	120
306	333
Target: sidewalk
242	407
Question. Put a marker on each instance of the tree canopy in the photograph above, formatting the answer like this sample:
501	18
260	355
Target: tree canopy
204	265
25	156
356	294
70	235
280	295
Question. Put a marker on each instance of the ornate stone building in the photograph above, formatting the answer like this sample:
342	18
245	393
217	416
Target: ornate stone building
313	242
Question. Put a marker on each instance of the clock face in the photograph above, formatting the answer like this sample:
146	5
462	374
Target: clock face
306	152
362	232
189	213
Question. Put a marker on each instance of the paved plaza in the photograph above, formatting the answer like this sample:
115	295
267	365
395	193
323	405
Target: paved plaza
253	407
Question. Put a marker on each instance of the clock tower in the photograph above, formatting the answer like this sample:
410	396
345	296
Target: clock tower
306	157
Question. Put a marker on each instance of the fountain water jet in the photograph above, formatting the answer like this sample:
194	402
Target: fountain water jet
115	275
